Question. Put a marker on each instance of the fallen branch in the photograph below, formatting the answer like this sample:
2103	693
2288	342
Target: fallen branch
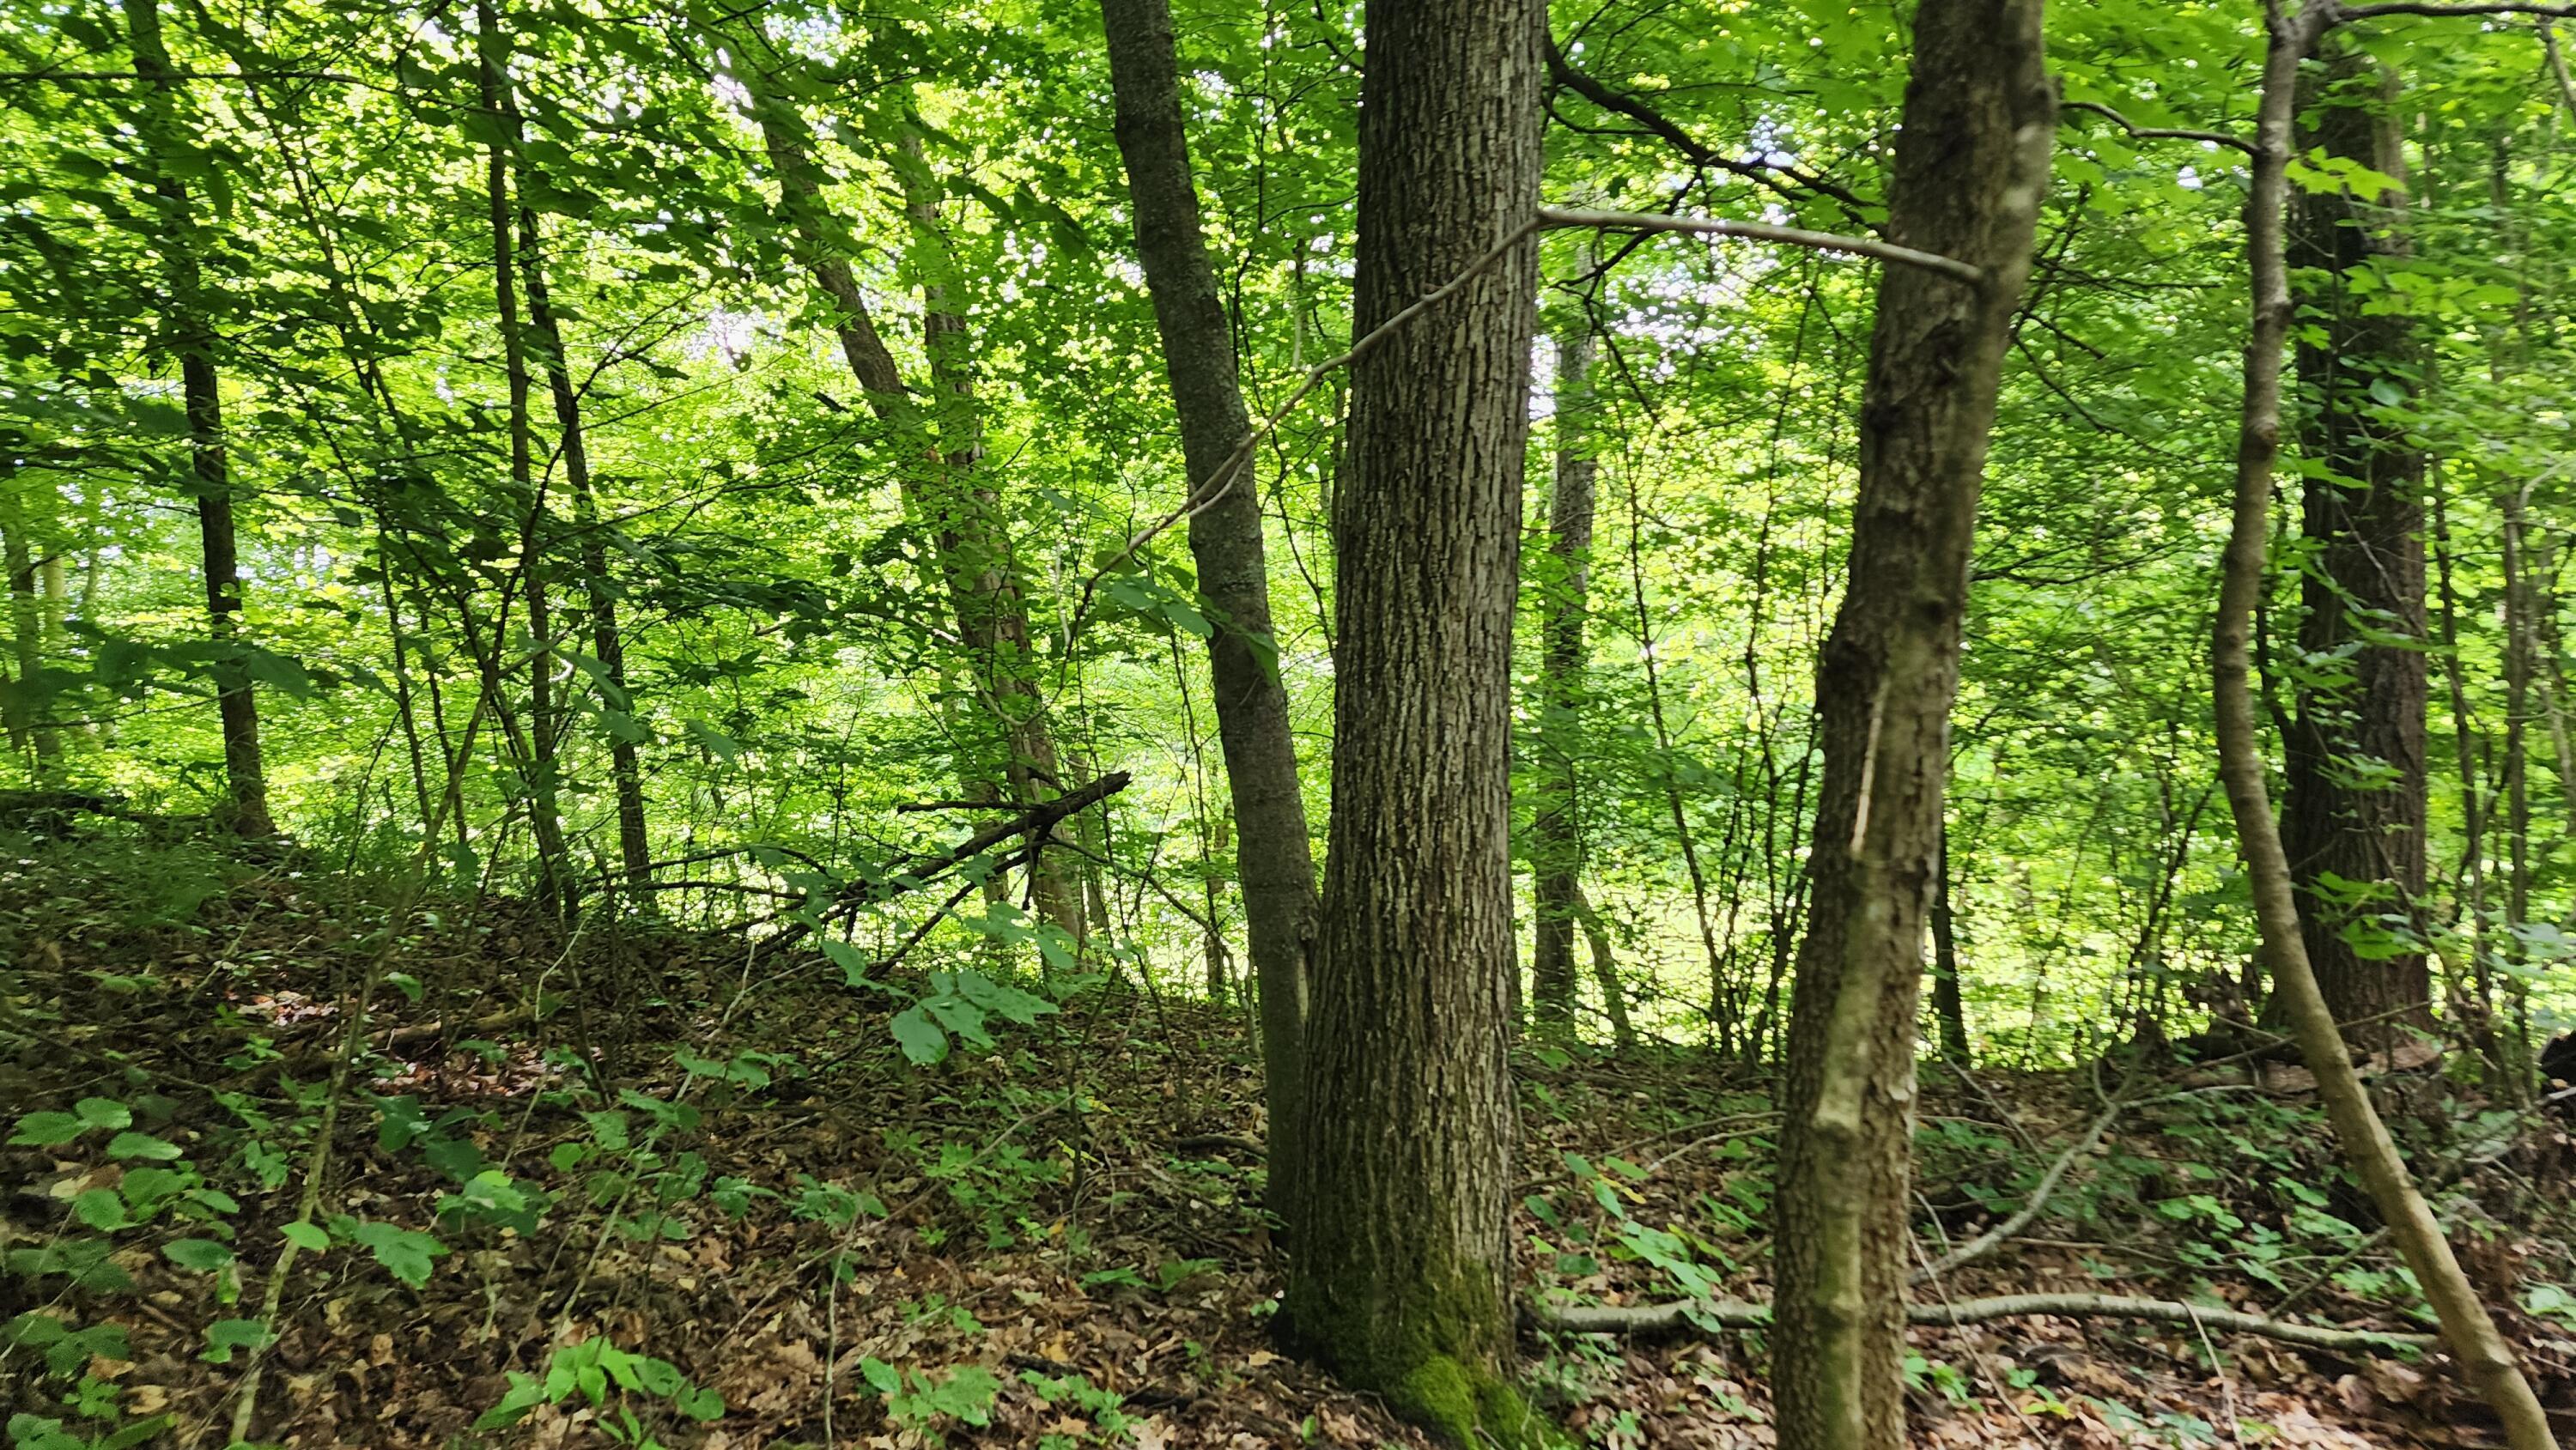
1033	823
1986	1243
1702	1316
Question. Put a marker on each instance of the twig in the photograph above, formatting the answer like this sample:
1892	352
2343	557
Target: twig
2159	133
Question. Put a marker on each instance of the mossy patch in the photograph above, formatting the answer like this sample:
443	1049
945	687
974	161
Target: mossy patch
1430	1350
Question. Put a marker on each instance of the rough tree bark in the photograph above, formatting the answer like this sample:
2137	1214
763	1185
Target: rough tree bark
2353	799
1402	1269
1556	838
192	337
1273	857
1971	165
2466	1327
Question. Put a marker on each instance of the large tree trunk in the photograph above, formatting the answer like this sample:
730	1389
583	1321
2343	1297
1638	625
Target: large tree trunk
1556	838
1273	856
2353	802
625	768
2467	1329
1402	1270
1971	164
192	336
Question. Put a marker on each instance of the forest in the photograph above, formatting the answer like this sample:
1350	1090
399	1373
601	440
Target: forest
1833	724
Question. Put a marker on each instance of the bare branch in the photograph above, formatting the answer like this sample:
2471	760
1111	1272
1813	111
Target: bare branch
1563	73
1556	218
2558	64
2342	13
1985	1243
2160	133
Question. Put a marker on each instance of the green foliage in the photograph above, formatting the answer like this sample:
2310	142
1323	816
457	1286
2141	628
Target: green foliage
921	1400
603	1374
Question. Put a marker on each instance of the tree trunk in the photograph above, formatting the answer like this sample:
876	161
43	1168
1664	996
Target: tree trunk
192	336
1556	837
537	752
1605	973
2466	1328
935	451
28	701
1949	1006
625	769
975	541
1273	855
1402	1270
2353	803
1971	164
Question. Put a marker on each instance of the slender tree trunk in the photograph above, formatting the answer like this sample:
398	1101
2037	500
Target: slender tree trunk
1402	1274
936	451
1273	856
2466	1328
2518	674
1971	164
1719	1003
1556	835
983	568
2354	794
1605	973
2549	675
1949	1007
626	774
28	705
192	336
538	758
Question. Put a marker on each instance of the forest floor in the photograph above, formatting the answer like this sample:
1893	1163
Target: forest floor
1053	1242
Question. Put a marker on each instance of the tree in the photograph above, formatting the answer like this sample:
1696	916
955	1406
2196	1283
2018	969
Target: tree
2466	1327
2353	804
192	336
1556	836
1402	1269
1972	161
1273	858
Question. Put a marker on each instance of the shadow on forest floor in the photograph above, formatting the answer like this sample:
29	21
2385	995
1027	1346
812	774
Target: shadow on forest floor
1053	1242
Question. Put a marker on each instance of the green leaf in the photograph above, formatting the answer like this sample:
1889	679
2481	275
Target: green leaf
699	1403
226	1335
306	1236
104	1113
203	1255
405	1253
881	1376
44	1130
920	1038
101	1209
141	1145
